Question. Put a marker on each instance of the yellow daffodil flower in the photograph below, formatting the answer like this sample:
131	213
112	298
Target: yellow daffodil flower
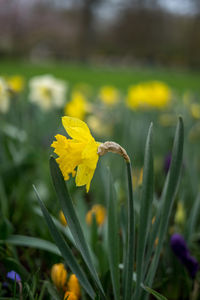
16	83
77	107
153	94
80	151
70	296
59	275
62	218
195	110
99	212
109	95
73	286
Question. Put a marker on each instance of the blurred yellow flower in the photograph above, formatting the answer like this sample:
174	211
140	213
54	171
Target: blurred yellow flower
99	213
4	96
109	95
70	296
59	275
153	94
47	91
195	110
73	285
98	126
80	151
62	218
16	83
77	107
180	214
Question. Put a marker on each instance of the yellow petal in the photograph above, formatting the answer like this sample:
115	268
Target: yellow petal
77	129
84	176
73	285
69	153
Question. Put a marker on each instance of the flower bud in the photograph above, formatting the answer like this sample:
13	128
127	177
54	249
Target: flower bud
73	285
59	275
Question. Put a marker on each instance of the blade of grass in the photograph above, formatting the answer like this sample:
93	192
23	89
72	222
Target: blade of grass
66	251
154	230
3	199
27	241
193	218
73	222
153	292
129	258
145	210
113	240
171	188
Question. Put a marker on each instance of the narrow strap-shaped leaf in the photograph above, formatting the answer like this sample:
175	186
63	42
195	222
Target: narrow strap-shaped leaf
129	259
193	218
145	210
66	251
73	222
154	231
27	241
113	240
153	292
170	192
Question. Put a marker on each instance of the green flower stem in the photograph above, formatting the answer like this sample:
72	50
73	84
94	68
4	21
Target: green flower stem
129	260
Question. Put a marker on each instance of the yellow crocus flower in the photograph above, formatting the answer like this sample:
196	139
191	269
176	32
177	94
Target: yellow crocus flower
80	151
62	218
59	275
73	285
99	212
70	296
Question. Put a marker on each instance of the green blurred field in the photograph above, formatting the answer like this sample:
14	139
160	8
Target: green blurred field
181	80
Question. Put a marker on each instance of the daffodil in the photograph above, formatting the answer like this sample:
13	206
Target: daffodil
77	107
153	94
59	275
47	91
99	212
4	96
80	154
195	110
109	95
16	83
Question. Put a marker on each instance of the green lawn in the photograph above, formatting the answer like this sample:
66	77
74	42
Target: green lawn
120	77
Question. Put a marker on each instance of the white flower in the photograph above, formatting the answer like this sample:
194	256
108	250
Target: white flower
4	96
47	91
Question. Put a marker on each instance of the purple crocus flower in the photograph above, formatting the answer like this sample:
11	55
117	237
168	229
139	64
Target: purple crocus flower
181	250
13	276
